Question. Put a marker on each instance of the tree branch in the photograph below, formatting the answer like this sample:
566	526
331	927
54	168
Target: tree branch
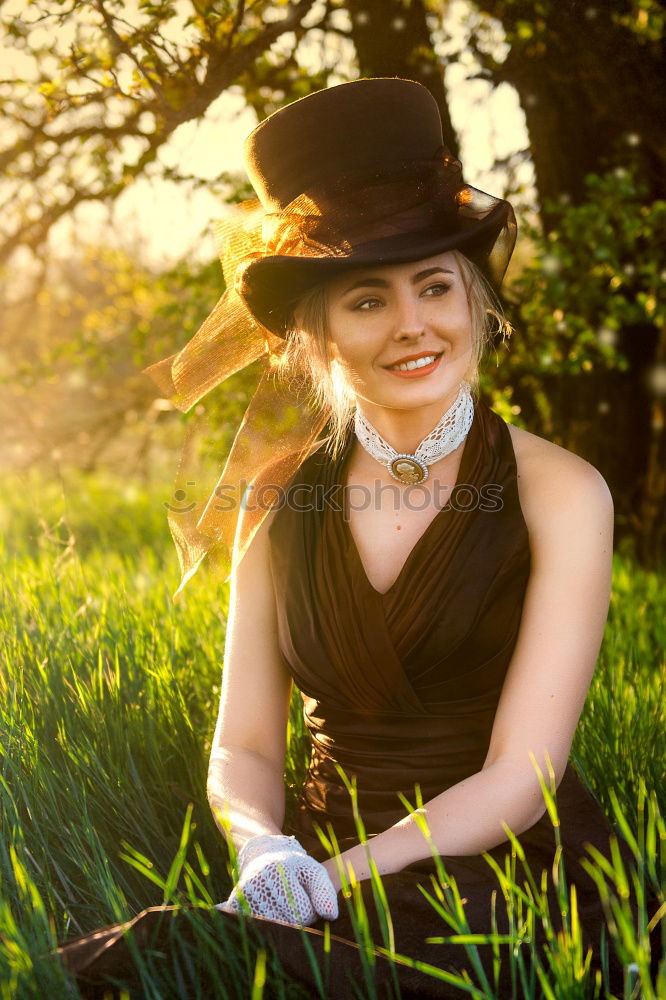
175	96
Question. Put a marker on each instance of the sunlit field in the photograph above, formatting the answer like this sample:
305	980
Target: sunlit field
108	699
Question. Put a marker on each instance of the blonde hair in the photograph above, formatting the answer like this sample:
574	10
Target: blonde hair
308	348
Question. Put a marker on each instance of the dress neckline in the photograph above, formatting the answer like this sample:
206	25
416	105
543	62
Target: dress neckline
355	554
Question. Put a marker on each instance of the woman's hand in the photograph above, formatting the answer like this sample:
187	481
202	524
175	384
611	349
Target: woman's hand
279	880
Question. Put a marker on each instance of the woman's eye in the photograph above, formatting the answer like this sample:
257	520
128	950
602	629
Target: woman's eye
432	291
444	288
367	304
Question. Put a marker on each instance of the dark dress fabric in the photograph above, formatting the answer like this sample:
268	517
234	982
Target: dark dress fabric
400	689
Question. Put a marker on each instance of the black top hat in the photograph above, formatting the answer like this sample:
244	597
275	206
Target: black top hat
355	175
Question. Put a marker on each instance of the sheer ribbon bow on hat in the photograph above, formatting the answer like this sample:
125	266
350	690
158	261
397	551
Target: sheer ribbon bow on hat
276	432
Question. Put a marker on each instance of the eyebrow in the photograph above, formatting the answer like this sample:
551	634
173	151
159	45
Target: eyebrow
382	283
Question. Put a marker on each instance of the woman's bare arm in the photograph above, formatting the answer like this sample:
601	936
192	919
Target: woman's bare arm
246	770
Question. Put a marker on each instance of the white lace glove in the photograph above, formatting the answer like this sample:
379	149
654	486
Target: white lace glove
280	881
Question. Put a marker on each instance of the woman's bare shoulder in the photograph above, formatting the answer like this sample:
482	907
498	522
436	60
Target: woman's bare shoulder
549	476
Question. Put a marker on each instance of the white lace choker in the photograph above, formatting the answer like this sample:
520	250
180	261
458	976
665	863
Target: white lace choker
449	433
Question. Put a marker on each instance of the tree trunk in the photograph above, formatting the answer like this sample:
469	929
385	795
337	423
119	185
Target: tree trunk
596	416
592	91
593	94
392	38
652	528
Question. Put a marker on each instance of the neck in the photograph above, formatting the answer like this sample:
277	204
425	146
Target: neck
405	429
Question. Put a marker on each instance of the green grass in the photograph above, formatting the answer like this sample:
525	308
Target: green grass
108	699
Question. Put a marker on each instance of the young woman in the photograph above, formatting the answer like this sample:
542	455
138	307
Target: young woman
434	580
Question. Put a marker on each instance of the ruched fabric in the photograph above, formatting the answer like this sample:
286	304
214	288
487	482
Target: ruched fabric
400	687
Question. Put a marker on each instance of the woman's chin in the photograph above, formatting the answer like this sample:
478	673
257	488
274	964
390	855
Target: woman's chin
411	393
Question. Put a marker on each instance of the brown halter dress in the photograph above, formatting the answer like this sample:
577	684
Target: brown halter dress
401	689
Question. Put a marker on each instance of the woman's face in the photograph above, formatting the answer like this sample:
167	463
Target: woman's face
380	315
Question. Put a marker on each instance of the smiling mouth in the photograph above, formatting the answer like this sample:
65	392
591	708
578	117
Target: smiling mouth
410	366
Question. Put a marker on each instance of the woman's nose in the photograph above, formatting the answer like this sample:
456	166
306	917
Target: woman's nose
409	316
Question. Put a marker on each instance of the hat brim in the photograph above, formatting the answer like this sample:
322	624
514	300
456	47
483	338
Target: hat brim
272	285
